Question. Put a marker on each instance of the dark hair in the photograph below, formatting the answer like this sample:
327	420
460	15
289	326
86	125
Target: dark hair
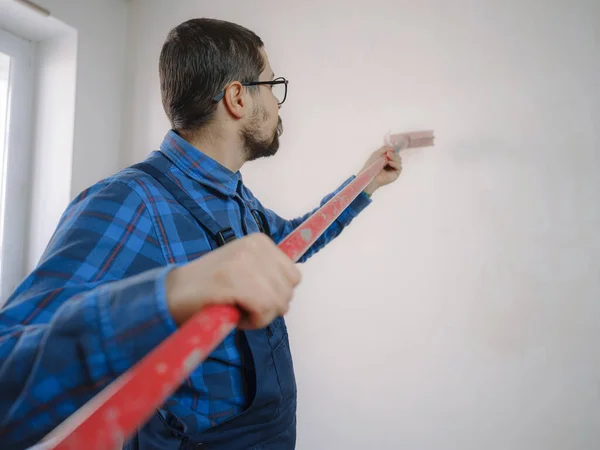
197	60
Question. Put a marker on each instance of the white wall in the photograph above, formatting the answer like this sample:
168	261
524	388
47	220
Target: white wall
56	73
80	62
101	28
4	74
461	311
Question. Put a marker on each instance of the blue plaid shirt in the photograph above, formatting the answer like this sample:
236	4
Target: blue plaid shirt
96	304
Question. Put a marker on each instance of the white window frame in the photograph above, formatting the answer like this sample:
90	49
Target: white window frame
16	176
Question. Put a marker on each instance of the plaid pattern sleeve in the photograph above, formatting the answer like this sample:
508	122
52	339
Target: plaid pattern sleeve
71	328
280	227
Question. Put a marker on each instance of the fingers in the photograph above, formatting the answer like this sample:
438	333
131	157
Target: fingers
269	286
396	166
287	267
265	299
251	273
269	299
394	157
380	152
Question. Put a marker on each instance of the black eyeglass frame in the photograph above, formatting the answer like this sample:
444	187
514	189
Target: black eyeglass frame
280	80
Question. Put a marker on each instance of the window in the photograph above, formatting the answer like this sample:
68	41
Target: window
4	72
16	130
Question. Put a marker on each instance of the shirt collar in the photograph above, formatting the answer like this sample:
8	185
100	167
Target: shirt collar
199	166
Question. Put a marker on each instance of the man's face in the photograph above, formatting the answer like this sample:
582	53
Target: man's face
261	134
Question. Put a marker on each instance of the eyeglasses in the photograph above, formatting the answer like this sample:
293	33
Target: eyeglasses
278	87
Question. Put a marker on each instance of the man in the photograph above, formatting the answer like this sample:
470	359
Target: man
137	254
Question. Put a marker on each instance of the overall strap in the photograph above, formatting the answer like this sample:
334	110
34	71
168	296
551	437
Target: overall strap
261	221
221	235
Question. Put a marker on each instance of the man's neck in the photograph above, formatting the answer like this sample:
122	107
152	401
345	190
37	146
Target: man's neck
226	151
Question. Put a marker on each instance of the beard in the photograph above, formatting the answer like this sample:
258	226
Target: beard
256	147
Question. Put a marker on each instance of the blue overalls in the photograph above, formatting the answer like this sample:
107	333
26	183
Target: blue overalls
269	423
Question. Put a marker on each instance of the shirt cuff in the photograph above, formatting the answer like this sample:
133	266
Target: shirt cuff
356	207
134	317
361	202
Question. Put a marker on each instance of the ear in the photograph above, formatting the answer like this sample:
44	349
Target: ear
234	100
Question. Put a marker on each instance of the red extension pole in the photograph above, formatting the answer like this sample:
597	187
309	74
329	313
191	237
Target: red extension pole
113	415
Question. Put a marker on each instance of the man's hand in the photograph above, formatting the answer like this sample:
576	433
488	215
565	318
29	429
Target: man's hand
251	273
389	173
392	170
